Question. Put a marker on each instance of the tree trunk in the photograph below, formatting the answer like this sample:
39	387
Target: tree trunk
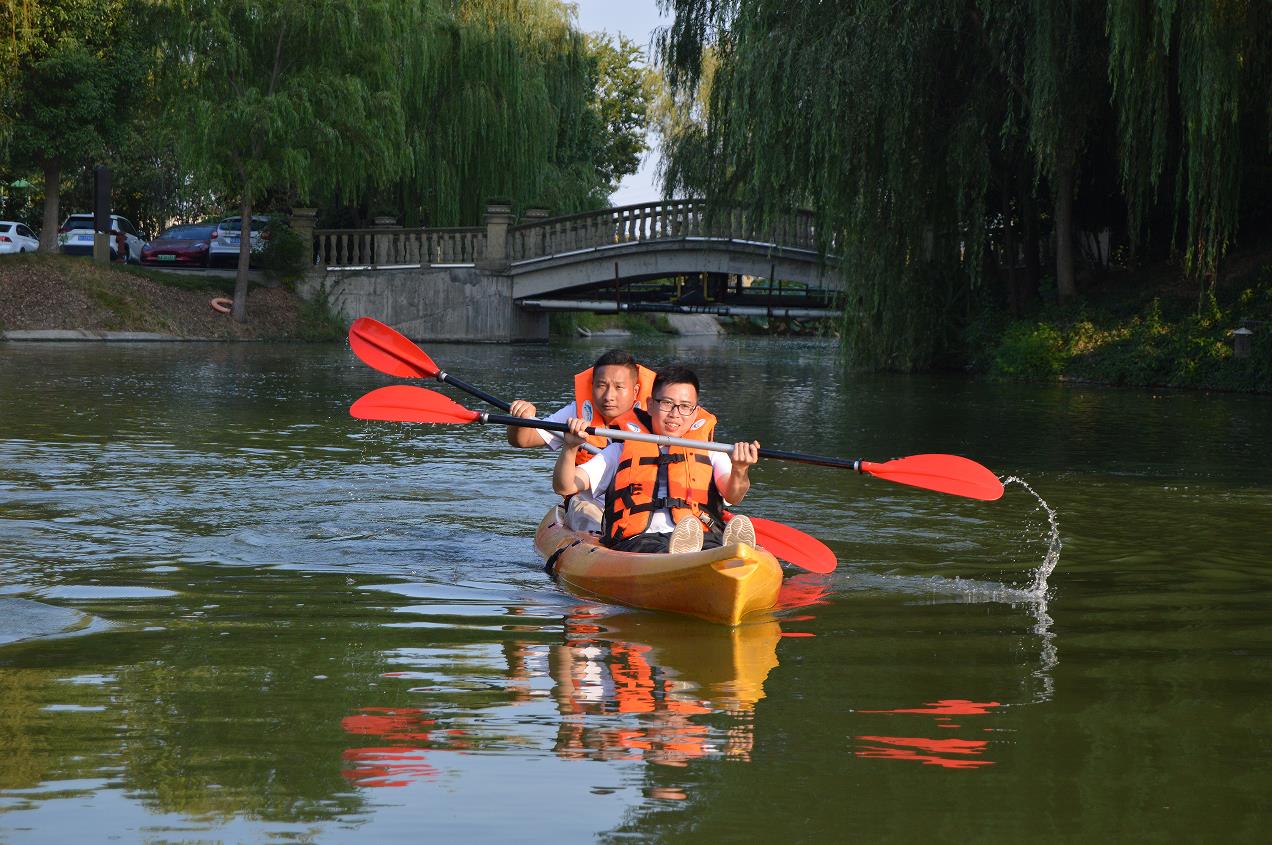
1064	230
239	311
52	200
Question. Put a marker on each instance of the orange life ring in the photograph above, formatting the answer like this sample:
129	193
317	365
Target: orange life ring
220	303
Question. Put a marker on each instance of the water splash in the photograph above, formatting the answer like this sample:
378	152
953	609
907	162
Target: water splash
1048	656
1038	589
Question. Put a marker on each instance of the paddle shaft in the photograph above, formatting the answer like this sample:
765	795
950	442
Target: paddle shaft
504	406
447	378
666	440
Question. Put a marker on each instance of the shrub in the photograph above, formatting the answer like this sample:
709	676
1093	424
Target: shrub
1029	351
285	256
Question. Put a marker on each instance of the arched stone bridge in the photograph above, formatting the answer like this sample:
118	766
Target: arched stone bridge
491	282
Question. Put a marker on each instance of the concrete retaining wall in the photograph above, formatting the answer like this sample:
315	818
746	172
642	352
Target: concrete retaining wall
438	304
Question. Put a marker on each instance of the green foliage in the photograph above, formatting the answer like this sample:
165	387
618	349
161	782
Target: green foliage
1029	352
625	87
286	255
566	323
931	137
64	79
318	323
1150	347
500	95
284	94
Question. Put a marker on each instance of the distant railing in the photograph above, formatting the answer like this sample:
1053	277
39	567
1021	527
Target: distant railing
669	220
355	249
498	243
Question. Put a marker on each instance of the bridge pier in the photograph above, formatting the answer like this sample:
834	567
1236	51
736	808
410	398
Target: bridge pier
430	303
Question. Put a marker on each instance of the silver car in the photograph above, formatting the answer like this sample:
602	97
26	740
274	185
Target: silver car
226	238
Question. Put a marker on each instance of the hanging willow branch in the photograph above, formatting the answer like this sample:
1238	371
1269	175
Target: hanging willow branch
896	121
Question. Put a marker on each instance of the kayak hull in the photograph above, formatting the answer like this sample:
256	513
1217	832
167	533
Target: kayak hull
720	585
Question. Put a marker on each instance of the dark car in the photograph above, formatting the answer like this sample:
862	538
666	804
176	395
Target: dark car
184	245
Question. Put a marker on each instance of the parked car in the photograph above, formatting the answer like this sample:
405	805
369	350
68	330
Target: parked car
17	237
183	245
226	239
75	237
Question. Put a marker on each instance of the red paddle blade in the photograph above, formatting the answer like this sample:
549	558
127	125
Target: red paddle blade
386	350
944	473
794	546
404	403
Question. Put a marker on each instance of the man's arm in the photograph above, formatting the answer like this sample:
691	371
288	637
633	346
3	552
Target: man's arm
527	438
567	477
523	438
744	456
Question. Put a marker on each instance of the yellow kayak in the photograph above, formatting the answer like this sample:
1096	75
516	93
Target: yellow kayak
719	585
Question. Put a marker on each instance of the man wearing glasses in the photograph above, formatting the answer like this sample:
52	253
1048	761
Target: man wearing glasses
660	498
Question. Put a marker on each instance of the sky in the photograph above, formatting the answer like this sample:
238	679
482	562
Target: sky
637	20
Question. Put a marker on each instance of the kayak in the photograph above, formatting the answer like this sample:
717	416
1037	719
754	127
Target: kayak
720	585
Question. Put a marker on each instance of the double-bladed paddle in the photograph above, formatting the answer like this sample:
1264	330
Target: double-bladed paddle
387	350
950	474
392	353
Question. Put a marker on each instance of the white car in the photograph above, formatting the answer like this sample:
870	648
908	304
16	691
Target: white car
75	237
17	237
226	238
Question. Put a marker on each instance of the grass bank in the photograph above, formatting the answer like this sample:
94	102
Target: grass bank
1136	330
45	292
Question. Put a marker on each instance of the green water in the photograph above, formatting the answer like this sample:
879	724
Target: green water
229	612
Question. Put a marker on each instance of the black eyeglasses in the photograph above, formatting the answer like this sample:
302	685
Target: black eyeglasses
683	408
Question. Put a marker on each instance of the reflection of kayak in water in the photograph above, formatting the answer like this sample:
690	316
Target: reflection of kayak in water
725	668
719	585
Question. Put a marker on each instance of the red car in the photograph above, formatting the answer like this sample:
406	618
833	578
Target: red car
184	245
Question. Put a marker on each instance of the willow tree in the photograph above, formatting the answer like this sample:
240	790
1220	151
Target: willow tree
1192	90
495	96
289	94
897	122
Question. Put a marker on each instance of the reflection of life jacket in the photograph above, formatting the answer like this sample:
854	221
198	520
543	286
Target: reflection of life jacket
583	407
690	484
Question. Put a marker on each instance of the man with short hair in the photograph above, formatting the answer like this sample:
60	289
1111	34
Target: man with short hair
604	396
663	498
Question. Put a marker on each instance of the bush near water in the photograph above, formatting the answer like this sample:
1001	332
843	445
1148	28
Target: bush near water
1158	339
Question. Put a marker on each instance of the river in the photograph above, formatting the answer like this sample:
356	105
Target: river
230	612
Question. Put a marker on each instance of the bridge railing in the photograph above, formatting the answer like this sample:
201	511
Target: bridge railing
668	220
354	249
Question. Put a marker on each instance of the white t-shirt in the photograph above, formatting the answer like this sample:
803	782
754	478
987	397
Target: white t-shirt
552	439
601	468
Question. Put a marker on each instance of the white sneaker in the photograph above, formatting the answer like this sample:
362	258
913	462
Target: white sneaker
738	530
687	536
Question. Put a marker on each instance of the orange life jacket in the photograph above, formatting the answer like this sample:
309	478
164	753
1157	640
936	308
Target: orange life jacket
583	407
690	483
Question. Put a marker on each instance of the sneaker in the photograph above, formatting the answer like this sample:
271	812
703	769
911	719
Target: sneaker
687	537
738	530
